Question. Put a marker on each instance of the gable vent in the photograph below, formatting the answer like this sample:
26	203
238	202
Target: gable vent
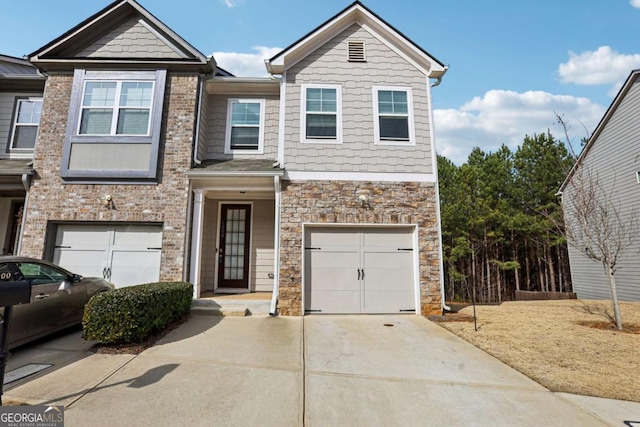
356	51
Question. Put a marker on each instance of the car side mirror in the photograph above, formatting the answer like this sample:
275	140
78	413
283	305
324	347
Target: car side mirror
75	278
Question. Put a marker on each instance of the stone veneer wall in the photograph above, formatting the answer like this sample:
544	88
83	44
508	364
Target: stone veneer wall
51	199
326	202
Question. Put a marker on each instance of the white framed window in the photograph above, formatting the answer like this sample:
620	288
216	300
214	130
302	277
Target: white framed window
25	123
116	108
321	114
393	115
245	126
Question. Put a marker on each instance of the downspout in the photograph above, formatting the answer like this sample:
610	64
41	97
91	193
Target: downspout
435	167
186	265
276	260
196	143
26	183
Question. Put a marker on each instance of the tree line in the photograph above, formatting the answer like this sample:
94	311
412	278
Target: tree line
500	217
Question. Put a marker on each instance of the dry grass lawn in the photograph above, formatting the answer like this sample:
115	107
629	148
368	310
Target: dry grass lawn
546	341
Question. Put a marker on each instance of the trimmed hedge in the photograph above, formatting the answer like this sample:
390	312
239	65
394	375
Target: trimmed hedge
132	314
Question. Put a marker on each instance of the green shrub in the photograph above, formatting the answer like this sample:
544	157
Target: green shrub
132	314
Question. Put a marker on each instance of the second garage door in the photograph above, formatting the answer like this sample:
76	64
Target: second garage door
125	254
359	270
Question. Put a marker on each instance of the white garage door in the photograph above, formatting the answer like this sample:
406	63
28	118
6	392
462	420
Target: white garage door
363	270
125	254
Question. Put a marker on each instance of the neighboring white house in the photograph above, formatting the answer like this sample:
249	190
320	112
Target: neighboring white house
612	158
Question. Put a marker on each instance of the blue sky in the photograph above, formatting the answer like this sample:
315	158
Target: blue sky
512	63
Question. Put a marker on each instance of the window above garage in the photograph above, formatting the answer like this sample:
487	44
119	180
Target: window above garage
113	128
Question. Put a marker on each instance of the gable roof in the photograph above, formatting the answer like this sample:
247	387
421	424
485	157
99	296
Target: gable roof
107	39
356	13
603	122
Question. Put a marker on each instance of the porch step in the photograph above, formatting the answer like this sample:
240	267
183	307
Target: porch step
229	307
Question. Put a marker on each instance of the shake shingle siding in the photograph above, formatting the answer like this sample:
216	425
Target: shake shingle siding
358	153
613	160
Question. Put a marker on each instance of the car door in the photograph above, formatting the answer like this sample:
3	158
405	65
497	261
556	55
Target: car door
19	327
55	300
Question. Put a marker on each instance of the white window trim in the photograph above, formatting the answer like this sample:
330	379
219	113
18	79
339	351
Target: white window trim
227	138
16	124
115	107
376	117
303	114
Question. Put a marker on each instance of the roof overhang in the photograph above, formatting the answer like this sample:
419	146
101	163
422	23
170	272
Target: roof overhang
633	76
240	85
356	13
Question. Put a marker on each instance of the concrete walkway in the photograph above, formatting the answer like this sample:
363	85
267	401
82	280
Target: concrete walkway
316	371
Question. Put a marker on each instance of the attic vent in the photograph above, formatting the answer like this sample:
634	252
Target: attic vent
356	51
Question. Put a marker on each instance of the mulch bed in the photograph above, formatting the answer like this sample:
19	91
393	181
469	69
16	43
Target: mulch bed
139	347
610	326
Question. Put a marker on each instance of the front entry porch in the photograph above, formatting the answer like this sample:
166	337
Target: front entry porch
234	234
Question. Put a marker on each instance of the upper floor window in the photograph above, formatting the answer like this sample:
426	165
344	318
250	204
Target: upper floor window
393	107
245	126
321	119
116	108
113	126
25	124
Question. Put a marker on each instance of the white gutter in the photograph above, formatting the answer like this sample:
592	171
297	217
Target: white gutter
196	143
437	184
276	261
26	182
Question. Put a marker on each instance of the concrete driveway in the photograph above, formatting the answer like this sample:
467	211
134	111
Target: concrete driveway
316	371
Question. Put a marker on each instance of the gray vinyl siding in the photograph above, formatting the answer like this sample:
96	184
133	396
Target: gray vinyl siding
217	125
202	128
262	244
358	152
130	40
7	105
614	157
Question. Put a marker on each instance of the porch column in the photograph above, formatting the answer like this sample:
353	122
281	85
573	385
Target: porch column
196	241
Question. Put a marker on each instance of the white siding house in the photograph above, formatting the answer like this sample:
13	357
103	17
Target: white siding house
612	157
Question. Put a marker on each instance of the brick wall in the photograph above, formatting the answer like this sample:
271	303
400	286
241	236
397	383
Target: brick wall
326	202
50	199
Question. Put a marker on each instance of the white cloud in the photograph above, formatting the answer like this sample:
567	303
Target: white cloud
635	3
601	66
246	64
505	117
233	3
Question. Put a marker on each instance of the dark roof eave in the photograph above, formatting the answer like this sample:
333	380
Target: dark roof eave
48	65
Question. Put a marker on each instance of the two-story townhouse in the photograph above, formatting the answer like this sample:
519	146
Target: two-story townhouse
317	184
110	194
320	182
21	88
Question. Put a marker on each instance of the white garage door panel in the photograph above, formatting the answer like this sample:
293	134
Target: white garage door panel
338	276
387	238
130	253
335	259
324	238
334	302
137	235
385	271
87	263
133	268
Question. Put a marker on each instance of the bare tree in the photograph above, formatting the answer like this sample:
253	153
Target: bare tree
596	223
